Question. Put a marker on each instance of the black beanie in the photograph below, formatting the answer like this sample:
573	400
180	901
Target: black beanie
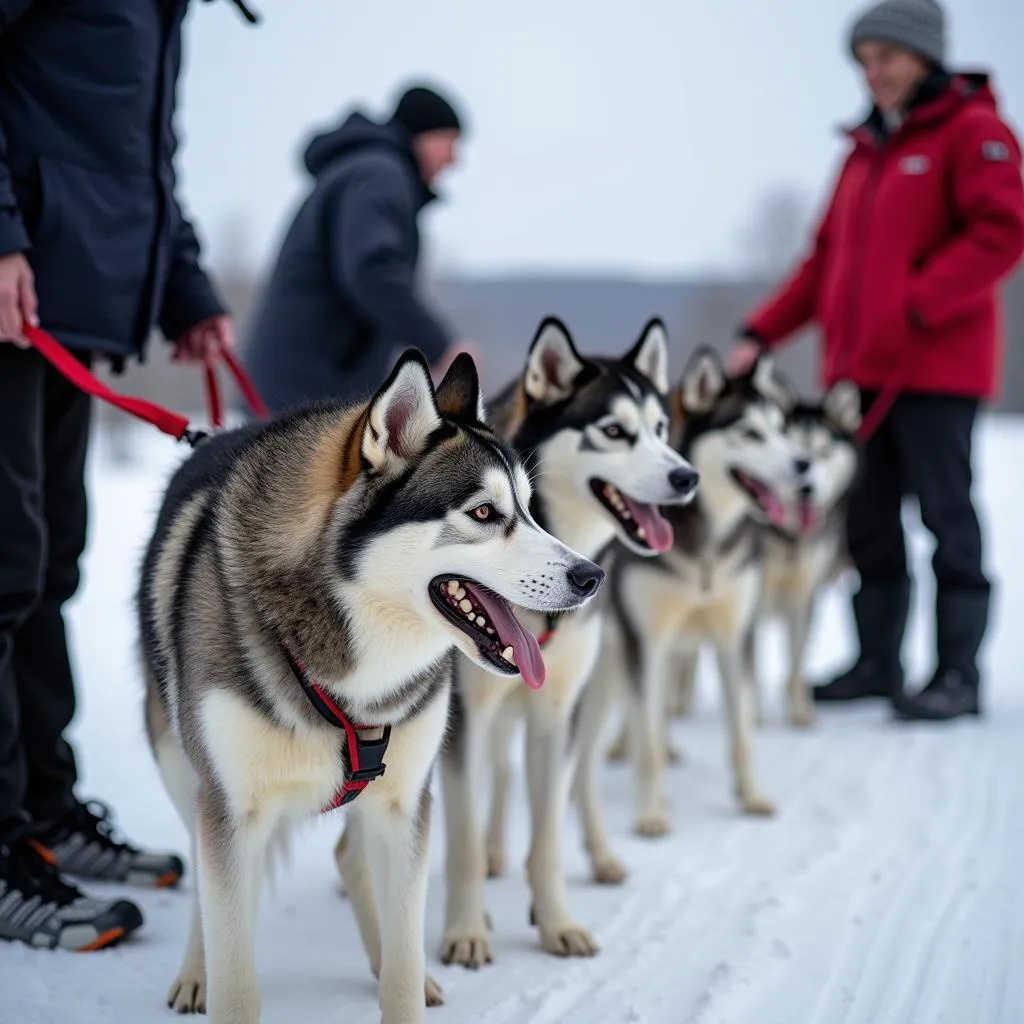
420	109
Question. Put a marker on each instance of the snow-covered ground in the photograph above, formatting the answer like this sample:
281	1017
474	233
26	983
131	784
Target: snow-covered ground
888	890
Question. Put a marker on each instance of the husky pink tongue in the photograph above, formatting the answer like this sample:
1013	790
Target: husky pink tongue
524	644
657	528
808	516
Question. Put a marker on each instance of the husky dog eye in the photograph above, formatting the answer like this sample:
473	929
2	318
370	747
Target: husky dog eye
752	434
614	431
485	513
662	429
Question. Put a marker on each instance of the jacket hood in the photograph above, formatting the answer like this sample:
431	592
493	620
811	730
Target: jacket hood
937	98
357	131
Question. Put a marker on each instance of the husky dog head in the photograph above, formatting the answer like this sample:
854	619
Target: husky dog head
436	531
823	436
732	428
598	430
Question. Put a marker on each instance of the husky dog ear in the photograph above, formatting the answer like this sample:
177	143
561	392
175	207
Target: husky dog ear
842	406
703	381
458	394
553	363
402	415
769	383
650	354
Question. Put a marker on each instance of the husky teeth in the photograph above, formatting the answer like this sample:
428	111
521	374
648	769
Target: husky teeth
460	594
641	533
465	605
453	586
481	621
509	655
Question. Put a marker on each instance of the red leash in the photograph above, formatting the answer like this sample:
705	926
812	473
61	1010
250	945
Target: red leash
163	419
876	412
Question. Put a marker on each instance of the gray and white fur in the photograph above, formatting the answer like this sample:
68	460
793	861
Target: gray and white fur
705	590
596	431
334	533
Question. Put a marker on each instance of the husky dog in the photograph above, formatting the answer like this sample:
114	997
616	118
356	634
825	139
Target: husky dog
803	555
302	598
705	589
596	430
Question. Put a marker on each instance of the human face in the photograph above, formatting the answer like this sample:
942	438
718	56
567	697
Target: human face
891	73
435	150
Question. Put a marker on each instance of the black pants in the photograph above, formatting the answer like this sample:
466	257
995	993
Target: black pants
922	448
44	430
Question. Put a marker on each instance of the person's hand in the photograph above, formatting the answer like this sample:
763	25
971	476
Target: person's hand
17	298
440	368
742	356
205	341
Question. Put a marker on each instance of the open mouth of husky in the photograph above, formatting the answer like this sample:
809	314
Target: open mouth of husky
489	622
642	523
806	514
761	494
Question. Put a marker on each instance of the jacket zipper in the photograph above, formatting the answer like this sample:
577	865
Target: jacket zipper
854	292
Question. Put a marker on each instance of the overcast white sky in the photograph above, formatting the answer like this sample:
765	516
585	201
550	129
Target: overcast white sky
630	137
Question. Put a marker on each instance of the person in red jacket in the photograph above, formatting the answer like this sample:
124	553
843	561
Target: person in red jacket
925	221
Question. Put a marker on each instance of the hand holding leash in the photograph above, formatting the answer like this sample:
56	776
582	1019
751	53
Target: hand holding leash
17	298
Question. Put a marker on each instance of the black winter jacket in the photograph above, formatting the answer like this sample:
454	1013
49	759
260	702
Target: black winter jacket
87	182
341	300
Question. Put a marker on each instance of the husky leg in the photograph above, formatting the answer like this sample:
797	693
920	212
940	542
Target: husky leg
748	652
550	764
598	701
682	684
188	990
465	935
231	856
798	627
648	743
397	842
736	693
354	868
502	731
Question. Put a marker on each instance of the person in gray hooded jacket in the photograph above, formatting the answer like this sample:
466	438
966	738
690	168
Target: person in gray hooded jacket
341	300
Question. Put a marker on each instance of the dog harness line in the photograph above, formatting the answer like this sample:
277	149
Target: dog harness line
365	757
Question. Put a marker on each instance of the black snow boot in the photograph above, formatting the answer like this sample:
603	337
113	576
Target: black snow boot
880	612
42	909
961	619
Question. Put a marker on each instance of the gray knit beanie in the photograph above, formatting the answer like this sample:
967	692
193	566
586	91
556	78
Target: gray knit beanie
916	25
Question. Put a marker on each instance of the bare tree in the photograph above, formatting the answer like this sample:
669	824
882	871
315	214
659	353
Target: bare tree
776	233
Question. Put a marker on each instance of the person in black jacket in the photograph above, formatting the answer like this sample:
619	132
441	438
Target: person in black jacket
341	301
95	249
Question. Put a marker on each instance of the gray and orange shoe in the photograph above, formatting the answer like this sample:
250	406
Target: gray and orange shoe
86	845
39	908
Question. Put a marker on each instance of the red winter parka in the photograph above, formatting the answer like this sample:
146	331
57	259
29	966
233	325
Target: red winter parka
922	226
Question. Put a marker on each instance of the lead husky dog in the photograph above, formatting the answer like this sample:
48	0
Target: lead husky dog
301	600
705	589
803	555
596	429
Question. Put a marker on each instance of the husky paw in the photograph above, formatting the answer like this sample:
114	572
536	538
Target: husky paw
495	863
188	993
608	870
755	803
568	940
801	716
467	947
435	994
652	824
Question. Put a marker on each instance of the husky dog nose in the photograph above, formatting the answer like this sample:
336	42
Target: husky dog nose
806	491
684	480
585	578
802	465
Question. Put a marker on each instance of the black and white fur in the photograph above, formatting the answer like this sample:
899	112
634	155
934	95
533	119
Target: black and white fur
705	590
596	431
332	531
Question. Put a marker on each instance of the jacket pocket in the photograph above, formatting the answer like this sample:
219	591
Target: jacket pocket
91	252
